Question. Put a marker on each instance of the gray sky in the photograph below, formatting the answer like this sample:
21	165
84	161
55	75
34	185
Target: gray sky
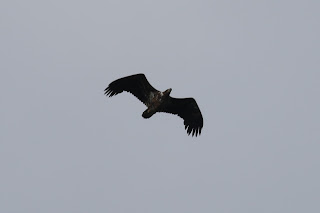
252	66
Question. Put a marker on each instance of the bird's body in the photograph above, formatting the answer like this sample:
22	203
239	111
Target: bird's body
157	101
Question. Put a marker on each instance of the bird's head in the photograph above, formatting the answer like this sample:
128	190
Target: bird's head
167	92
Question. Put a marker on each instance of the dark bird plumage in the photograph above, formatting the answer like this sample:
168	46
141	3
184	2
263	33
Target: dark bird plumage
157	101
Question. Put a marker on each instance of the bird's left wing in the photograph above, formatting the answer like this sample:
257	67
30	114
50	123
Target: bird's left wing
188	110
137	85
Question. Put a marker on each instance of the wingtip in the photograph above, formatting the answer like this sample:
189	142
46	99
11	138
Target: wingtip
109	92
193	131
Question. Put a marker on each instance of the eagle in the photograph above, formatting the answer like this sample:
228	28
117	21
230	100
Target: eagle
156	101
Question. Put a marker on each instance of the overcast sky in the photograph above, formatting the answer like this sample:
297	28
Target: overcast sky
252	66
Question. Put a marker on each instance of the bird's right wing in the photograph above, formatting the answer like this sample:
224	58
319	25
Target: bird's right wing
137	85
188	110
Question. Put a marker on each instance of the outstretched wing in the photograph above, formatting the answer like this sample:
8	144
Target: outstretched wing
137	85
188	110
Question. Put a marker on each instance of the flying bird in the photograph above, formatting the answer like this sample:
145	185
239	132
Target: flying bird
157	101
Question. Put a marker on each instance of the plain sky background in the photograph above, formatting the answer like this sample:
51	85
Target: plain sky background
252	66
